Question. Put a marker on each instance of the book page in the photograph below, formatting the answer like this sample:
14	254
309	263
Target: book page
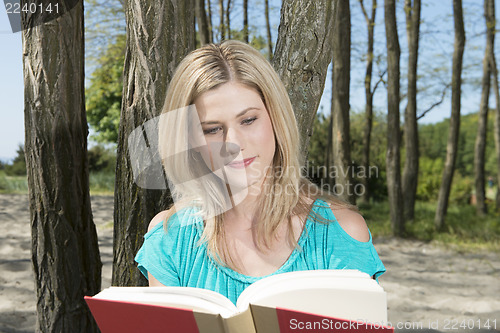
197	299
346	294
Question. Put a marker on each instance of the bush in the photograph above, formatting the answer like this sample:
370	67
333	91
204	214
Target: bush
429	178
101	160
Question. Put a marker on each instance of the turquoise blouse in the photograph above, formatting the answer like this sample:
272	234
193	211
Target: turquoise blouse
175	257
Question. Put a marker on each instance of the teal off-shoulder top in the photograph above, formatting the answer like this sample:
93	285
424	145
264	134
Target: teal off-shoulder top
177	258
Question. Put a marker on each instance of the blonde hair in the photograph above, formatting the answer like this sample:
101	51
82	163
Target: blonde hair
200	71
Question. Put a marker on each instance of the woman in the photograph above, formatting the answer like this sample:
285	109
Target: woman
242	209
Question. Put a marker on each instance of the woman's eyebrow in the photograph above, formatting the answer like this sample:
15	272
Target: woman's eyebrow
246	110
212	122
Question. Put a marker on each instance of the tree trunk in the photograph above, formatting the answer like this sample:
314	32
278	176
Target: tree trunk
201	19
302	55
480	145
65	253
370	25
494	70
393	130
452	146
222	27
228	19
209	18
340	102
268	30
410	172
245	21
149	65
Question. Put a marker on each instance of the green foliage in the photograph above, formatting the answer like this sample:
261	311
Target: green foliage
13	184
464	230
18	165
433	140
462	188
318	147
102	183
101	159
104	95
429	178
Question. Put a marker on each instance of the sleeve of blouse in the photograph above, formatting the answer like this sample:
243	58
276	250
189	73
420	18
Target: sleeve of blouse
154	258
349	253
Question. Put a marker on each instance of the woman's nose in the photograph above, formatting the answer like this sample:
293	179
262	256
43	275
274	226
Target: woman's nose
232	144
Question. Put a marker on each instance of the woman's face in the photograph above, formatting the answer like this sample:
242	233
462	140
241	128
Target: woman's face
239	135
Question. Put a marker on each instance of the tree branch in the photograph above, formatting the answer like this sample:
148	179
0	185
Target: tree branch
443	94
381	79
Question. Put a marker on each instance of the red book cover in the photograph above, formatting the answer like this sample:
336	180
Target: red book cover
123	317
297	322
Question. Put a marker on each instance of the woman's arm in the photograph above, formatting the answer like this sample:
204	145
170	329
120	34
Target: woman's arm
153	282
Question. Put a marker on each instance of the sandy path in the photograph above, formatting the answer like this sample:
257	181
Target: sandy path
428	288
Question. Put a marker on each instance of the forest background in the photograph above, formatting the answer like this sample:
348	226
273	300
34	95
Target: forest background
468	216
104	57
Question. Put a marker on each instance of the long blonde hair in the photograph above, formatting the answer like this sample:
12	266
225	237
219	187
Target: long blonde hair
200	71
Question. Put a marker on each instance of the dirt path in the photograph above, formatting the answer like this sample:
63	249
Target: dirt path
428	288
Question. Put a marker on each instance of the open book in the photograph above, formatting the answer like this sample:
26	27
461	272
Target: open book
323	300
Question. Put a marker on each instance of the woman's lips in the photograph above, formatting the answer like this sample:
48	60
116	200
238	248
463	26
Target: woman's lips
241	164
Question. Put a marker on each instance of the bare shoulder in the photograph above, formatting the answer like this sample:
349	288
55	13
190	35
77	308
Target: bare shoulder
352	222
159	218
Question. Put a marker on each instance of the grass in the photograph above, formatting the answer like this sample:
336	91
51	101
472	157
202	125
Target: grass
13	184
100	184
464	231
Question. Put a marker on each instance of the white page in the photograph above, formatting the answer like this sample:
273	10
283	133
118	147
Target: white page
346	294
181	297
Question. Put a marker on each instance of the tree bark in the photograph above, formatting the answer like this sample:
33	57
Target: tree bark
370	25
222	27
228	19
393	135
302	55
496	89
201	19
65	253
480	144
340	102
452	145
245	21
410	172
159	35
209	18
268	30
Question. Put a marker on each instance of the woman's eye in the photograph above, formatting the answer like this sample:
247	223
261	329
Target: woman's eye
211	130
248	121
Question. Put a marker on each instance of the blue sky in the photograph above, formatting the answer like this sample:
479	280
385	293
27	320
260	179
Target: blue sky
436	48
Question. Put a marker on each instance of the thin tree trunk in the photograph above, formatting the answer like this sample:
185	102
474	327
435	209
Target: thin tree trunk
210	27
228	19
497	127
65	253
370	25
222	27
149	65
496	89
303	53
393	129
201	19
329	149
410	172
268	30
340	102
245	21
480	145
452	146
